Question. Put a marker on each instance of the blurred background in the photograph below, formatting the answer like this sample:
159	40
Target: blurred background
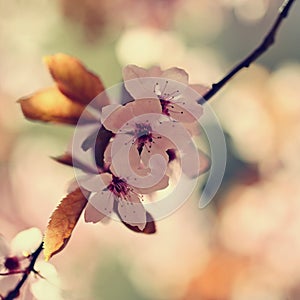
246	243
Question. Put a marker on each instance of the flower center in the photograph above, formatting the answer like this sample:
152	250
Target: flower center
12	263
167	99
142	130
122	190
119	187
143	133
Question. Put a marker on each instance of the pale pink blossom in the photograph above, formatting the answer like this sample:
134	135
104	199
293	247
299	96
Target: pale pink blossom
142	132
14	255
138	123
14	261
178	99
113	194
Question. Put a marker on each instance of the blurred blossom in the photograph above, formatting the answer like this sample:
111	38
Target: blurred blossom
217	278
251	11
24	29
284	86
243	103
272	239
163	271
95	15
199	20
146	46
203	63
49	287
15	259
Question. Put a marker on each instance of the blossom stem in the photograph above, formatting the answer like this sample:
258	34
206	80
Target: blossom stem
12	273
16	291
267	42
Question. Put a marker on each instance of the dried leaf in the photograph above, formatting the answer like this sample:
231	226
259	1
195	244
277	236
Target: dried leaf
73	79
98	141
63	221
67	159
50	105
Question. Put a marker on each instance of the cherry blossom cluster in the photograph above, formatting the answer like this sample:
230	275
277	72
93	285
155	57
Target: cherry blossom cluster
132	148
19	259
148	134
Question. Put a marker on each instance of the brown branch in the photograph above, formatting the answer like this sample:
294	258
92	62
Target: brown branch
16	291
267	42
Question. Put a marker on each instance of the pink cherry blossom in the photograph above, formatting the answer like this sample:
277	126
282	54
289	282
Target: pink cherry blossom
138	123
178	99
14	261
23	244
108	191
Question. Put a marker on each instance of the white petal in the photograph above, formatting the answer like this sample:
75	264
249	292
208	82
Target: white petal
103	201
115	116
133	71
48	271
108	110
91	214
176	74
26	241
133	213
48	288
95	183
195	162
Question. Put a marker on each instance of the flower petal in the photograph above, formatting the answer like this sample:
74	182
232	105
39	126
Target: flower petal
74	80
186	112
150	227
100	205
133	72
145	106
91	214
50	105
95	183
26	241
123	161
158	148
49	288
132	212
115	116
195	163
162	184
176	74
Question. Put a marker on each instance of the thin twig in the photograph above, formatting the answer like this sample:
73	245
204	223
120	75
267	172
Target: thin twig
16	291
267	42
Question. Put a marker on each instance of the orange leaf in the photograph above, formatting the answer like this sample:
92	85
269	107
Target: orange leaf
62	222
73	79
50	105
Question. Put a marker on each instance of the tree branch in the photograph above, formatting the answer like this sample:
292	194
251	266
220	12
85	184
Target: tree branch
267	42
16	291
